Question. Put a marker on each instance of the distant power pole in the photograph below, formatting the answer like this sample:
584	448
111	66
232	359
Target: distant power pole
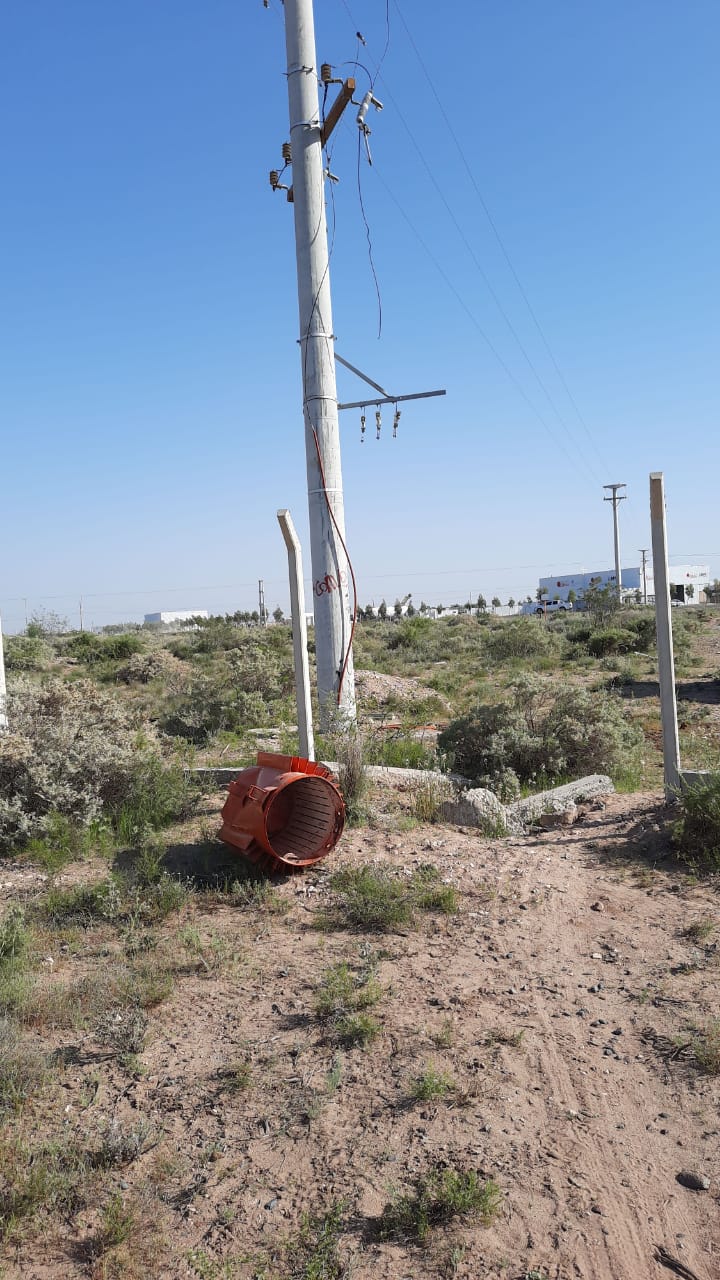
261	602
616	499
643	553
330	568
81	614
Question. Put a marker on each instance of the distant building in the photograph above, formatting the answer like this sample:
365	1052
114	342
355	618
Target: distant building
682	576
176	615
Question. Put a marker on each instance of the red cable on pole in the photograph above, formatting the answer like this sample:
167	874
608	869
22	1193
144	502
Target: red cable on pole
331	513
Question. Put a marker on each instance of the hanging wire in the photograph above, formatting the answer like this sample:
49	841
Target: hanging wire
496	233
368	236
557	440
584	460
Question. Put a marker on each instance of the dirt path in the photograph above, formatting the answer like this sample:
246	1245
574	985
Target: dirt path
545	999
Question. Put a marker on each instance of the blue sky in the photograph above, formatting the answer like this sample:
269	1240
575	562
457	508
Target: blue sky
150	382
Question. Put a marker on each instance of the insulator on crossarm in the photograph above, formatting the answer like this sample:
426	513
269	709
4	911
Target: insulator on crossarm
378	423
362	428
274	178
287	152
396	422
326	74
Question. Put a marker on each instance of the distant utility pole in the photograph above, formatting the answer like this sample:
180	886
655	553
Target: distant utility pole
330	568
643	553
81	613
616	499
261	602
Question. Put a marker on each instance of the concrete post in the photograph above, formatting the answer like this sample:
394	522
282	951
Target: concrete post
299	632
3	688
663	623
330	571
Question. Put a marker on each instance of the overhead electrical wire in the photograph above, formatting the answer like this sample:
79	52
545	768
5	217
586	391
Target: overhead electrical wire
367	233
387	43
474	320
496	233
585	462
491	289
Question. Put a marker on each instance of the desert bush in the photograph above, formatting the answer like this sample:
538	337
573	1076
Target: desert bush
157	793
411	633
253	669
26	653
697	831
376	900
521	638
612	640
539	736
644	628
75	751
437	1198
144	667
16	981
350	749
400	751
91	649
197	711
342	1003
23	1067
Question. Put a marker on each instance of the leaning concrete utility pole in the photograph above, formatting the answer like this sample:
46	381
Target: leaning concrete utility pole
663	626
615	499
330	569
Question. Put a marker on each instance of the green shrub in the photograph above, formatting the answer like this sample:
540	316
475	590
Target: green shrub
400	751
520	638
438	1198
431	1084
612	640
375	899
350	748
410	633
197	711
644	628
156	795
78	753
23	1068
113	900
342	1002
697	832
540	737
26	653
144	667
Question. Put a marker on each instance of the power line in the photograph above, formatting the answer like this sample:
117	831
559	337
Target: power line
496	233
489	286
474	320
493	293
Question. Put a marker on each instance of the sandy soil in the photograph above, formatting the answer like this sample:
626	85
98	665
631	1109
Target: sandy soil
572	938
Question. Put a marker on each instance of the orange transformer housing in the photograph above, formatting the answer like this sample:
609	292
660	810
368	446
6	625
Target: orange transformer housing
284	813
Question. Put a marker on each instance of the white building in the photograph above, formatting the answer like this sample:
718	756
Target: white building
682	576
176	615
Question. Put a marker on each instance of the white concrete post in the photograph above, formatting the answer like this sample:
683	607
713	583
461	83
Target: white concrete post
330	574
3	687
663	624
299	632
